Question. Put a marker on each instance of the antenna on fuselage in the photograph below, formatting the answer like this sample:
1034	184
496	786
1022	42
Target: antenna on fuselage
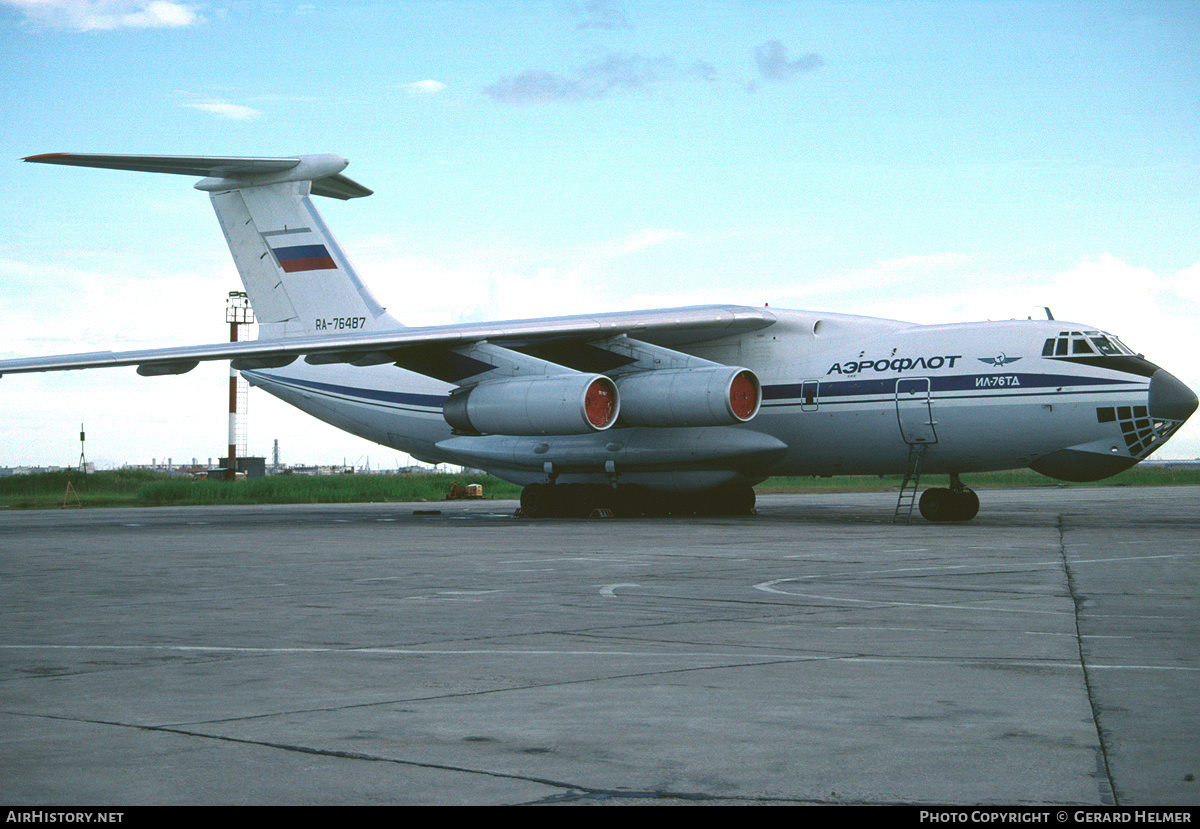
1049	315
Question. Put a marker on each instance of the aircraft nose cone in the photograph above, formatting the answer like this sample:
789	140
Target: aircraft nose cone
1169	398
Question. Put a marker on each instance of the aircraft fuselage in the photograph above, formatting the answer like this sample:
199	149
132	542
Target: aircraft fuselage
841	395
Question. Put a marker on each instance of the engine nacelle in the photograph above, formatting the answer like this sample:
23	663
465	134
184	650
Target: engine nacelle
565	404
718	396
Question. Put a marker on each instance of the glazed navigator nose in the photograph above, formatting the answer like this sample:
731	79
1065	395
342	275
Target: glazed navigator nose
1170	399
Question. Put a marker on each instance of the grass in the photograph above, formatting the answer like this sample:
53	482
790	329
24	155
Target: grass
118	487
139	488
326	489
142	488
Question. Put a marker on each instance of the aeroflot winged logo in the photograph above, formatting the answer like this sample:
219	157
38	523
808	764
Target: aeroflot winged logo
304	258
999	360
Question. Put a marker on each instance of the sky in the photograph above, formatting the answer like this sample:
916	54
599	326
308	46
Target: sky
925	161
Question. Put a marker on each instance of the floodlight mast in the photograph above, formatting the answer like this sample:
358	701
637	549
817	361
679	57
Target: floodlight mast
237	312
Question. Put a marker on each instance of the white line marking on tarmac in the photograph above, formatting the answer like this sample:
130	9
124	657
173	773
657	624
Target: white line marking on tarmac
1132	558
562	558
736	655
768	587
983	567
608	589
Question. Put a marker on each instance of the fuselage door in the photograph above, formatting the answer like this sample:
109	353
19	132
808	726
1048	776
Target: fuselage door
914	410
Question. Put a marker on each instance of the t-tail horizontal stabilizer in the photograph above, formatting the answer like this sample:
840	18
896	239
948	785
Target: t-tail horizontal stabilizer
299	280
227	172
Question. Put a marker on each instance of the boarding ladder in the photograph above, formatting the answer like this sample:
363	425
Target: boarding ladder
912	480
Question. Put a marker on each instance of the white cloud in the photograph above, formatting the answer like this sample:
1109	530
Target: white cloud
224	109
603	14
643	239
1186	283
922	261
84	301
617	72
1104	292
94	15
426	87
419	291
894	288
774	65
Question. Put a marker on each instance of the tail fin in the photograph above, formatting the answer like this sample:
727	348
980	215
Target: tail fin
296	275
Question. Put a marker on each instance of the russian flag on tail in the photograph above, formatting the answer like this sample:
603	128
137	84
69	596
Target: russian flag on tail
304	258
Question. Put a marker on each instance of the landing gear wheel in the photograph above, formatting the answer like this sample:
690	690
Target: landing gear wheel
968	504
937	505
625	502
940	505
742	499
537	500
585	499
565	500
730	499
632	500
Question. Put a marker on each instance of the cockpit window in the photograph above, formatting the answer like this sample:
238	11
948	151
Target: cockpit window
1124	349
1069	343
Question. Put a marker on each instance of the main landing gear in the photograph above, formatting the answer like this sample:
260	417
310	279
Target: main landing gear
958	503
632	500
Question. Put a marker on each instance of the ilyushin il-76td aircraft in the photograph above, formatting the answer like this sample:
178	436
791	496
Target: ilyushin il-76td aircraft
668	411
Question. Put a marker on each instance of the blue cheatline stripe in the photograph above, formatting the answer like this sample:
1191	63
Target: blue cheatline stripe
962	382
828	389
429	401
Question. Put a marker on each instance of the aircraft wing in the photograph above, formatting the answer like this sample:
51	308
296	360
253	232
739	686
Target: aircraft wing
423	349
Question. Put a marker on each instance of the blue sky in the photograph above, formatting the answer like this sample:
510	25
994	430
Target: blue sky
930	161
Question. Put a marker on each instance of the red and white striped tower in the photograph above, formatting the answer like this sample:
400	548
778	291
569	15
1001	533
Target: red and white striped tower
237	312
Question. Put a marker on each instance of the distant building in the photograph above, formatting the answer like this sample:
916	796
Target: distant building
319	470
253	467
8	471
